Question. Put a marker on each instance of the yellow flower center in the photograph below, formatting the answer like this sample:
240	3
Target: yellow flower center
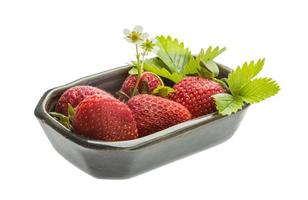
135	36
147	45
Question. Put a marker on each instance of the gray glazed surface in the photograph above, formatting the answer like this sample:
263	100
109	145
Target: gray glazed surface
117	160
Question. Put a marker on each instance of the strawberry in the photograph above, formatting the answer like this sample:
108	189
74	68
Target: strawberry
195	93
154	113
103	118
75	95
151	79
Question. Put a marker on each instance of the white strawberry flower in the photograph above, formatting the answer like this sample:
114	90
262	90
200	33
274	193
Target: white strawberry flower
149	45
135	36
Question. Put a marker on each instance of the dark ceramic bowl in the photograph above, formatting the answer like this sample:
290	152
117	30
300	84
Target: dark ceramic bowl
117	160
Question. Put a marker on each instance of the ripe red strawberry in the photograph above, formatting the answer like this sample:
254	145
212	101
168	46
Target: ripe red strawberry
102	118
195	94
152	82
75	95
154	113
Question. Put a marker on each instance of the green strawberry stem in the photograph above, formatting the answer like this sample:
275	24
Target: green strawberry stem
122	94
139	68
139	71
138	59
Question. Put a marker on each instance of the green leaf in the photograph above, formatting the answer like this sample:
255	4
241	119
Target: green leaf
157	62
245	89
210	53
173	53
133	71
162	91
226	104
163	72
259	89
241	76
209	67
178	61
192	66
212	67
204	72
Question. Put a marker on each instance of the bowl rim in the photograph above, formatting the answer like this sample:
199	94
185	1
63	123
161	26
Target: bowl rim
42	114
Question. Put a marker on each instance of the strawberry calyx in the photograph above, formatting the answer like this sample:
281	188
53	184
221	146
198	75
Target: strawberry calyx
162	91
63	119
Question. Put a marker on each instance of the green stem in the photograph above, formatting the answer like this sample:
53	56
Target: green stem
143	60
138	57
139	68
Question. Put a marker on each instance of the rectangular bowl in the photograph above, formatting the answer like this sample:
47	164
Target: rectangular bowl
118	160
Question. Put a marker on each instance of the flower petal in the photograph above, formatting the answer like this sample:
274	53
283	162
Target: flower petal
128	40
144	36
126	32
138	29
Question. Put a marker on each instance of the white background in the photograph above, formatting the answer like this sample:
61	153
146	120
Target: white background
44	44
